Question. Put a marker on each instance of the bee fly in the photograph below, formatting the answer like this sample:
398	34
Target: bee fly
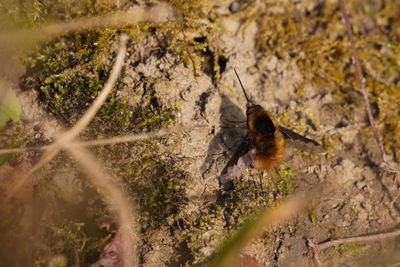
264	143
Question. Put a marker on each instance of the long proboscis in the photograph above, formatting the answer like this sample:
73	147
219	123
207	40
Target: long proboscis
244	91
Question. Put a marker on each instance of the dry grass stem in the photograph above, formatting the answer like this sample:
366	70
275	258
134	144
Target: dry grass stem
114	196
361	79
77	251
161	13
22	149
317	248
67	137
110	141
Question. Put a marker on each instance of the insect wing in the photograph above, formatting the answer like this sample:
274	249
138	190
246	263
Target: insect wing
240	160
289	134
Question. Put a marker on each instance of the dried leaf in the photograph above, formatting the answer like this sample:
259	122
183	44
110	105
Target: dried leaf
111	256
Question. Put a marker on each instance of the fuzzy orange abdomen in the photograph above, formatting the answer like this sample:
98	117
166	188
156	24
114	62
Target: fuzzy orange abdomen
267	157
266	137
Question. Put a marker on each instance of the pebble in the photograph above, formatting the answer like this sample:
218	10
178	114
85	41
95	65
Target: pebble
346	220
270	63
359	198
367	206
360	184
362	215
234	7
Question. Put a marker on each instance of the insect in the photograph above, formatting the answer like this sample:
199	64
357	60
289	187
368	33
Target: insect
263	145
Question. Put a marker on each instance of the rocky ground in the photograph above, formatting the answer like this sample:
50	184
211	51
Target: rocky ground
183	216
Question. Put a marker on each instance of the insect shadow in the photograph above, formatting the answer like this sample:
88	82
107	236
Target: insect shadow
231	132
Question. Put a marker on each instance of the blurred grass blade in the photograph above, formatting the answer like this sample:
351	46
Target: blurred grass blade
9	110
9	106
4	158
228	254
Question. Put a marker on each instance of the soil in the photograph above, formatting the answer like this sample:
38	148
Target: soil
352	194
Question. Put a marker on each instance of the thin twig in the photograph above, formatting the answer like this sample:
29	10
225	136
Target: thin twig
69	135
161	13
361	79
364	238
114	140
114	196
316	252
78	250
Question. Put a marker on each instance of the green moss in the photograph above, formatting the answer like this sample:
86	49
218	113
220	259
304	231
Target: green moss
67	86
355	249
196	18
388	101
330	143
155	182
311	212
28	13
286	173
163	195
